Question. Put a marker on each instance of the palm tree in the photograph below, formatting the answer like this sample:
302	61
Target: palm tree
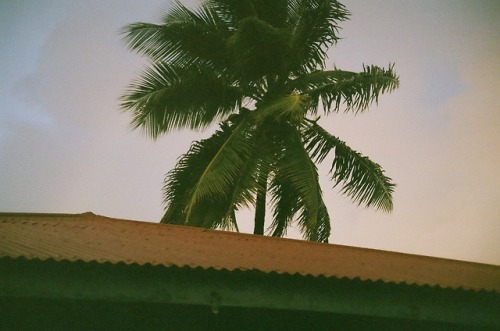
257	67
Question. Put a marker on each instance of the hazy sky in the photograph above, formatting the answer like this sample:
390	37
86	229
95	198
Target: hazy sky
65	146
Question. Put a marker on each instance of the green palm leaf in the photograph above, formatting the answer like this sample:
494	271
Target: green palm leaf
163	99
186	37
296	169
362	179
314	30
323	227
289	108
273	12
258	49
213	179
287	203
350	90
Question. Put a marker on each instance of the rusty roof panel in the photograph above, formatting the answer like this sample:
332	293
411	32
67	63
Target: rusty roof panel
90	237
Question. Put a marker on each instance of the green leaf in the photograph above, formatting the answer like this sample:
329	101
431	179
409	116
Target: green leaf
290	108
258	49
213	179
296	173
162	100
350	90
185	38
314	31
273	12
362	179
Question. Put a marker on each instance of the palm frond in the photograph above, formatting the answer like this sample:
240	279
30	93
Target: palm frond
362	179
323	228
258	49
289	108
285	204
186	37
273	12
296	169
233	11
214	169
314	30
294	8
352	91
162	100
213	179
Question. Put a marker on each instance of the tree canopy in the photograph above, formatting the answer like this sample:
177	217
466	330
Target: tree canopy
257	68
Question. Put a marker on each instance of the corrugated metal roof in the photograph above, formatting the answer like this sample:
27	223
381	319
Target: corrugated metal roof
90	237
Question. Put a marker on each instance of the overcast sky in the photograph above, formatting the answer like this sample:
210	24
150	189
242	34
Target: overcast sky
66	147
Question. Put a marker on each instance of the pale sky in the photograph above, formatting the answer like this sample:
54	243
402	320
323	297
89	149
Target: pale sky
65	146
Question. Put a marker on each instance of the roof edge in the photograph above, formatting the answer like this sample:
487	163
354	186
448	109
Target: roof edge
90	214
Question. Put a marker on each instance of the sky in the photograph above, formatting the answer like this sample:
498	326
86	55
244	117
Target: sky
66	147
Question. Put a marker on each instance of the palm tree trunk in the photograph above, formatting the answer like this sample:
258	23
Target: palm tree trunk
260	204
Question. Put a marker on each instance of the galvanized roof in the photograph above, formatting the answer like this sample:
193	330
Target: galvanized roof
90	237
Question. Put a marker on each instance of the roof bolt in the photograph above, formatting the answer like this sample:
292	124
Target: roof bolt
215	302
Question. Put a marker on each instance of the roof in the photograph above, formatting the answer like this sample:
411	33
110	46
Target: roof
88	237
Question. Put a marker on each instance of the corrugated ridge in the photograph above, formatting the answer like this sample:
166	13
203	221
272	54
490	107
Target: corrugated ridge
187	267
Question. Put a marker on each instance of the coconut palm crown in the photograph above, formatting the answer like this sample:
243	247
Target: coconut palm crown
256	67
